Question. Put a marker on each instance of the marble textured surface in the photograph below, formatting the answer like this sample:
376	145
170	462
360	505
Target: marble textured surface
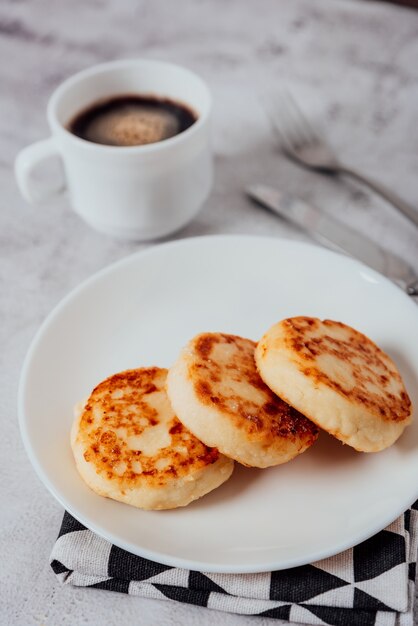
352	64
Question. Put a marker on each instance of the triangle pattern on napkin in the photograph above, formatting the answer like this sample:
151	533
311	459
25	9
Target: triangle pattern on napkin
367	585
299	584
378	555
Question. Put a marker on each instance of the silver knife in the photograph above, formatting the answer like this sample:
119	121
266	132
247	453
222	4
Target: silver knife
327	230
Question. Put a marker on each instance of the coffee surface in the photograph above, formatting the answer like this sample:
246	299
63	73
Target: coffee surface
132	120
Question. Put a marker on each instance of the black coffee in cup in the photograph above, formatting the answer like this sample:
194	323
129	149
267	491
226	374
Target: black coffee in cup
132	120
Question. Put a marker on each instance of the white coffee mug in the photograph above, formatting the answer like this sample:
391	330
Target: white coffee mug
136	192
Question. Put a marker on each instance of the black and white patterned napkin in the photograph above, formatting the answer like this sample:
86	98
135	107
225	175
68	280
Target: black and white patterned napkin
371	584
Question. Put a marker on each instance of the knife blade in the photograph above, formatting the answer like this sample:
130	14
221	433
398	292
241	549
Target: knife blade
329	231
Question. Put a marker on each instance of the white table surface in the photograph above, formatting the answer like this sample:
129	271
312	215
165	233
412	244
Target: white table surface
353	66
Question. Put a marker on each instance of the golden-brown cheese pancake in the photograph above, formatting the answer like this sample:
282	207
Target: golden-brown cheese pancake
338	378
217	393
129	445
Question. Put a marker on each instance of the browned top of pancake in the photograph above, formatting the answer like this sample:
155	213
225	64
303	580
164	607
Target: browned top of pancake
224	375
364	373
127	407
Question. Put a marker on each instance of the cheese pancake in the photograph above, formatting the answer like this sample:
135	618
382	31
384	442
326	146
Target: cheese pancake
129	445
217	393
338	378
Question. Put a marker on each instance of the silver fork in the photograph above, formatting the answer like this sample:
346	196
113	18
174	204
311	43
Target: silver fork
301	143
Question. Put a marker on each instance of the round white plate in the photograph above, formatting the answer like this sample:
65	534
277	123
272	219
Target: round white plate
141	311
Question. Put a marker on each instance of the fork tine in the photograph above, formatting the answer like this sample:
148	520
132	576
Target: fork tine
294	130
295	133
301	127
286	138
281	121
298	139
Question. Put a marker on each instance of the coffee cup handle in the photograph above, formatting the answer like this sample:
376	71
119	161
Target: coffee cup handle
26	162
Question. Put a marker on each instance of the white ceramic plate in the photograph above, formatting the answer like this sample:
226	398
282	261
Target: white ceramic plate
141	311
